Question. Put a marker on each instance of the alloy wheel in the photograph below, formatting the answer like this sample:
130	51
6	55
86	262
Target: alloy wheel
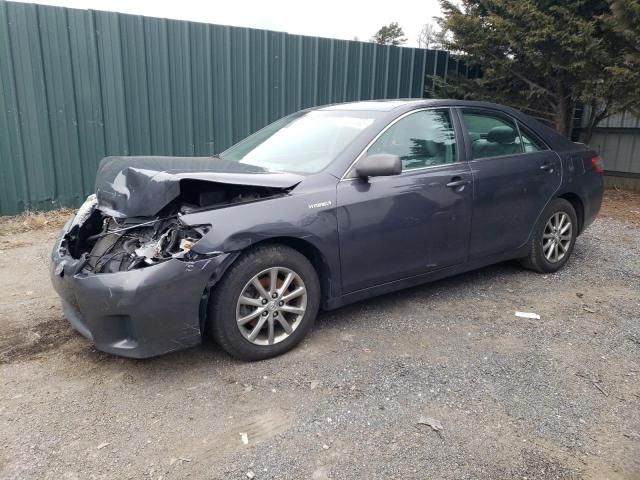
271	306
556	238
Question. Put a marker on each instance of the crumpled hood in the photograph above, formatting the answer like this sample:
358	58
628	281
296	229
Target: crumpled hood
142	186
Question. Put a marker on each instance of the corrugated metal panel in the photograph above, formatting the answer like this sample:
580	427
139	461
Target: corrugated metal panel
626	183
77	85
617	140
618	120
621	120
620	151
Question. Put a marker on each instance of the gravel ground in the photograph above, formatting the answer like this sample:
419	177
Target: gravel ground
552	398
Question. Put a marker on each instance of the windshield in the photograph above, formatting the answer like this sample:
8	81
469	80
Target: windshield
301	143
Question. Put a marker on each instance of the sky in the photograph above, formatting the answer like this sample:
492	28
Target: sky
325	18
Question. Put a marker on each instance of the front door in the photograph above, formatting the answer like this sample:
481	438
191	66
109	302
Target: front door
515	175
404	225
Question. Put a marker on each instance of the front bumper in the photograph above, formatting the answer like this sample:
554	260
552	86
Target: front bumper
139	313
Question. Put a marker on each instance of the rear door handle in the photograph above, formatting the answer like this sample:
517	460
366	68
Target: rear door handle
458	183
547	167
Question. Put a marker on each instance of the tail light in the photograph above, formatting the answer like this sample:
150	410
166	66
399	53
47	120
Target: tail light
597	163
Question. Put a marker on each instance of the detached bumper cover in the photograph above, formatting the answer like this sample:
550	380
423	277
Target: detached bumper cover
140	313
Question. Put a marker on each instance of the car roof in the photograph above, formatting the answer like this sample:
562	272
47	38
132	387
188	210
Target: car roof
403	103
371	105
394	107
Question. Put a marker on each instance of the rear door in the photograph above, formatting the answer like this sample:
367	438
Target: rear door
514	173
399	226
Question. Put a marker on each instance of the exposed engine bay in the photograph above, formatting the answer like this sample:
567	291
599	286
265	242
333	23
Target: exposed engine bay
109	244
123	246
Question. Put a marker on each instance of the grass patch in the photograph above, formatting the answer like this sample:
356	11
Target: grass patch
30	221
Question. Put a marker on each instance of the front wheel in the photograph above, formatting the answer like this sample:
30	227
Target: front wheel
265	304
553	238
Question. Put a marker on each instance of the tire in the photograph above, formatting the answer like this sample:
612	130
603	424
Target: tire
539	253
227	312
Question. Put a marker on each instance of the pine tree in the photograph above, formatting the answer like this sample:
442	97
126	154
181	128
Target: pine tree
546	57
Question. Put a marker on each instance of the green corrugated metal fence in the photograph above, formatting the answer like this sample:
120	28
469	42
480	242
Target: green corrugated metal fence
78	85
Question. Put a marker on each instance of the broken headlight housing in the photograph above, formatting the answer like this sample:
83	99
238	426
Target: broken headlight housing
126	245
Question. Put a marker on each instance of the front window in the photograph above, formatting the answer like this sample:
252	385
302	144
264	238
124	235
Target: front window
421	139
301	143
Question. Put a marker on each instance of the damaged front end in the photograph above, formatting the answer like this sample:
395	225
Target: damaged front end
105	244
109	242
124	265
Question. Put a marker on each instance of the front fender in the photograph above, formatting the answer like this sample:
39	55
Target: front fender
308	216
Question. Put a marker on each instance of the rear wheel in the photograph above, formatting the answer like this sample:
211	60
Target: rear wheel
554	238
265	304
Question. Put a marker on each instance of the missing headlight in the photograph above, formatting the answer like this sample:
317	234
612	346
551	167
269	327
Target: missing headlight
121	248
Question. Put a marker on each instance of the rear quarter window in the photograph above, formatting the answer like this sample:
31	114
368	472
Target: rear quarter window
530	141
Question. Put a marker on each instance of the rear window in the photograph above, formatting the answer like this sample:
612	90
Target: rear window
491	134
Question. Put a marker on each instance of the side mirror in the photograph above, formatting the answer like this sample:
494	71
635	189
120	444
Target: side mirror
379	165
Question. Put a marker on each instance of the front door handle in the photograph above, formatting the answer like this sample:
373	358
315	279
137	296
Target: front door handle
458	182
